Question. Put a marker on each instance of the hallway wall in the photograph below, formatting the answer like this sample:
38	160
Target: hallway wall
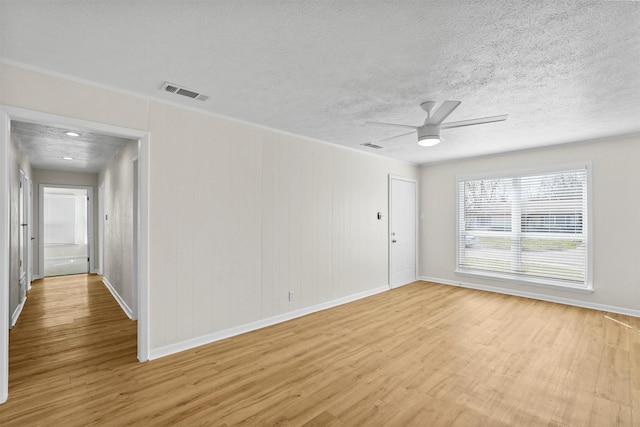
117	179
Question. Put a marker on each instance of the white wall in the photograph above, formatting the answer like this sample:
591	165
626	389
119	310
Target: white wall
616	216
238	214
60	178
241	215
117	179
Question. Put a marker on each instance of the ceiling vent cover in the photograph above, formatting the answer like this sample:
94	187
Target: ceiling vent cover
174	88
370	145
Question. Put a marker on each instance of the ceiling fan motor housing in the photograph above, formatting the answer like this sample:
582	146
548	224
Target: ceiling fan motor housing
429	132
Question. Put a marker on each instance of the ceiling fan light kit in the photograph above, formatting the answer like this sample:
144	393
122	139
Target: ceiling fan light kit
429	141
429	133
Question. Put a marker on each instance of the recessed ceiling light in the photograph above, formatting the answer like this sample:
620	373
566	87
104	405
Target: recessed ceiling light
68	158
73	133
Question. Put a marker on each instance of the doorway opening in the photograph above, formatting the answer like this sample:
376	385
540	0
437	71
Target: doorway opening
141	138
66	237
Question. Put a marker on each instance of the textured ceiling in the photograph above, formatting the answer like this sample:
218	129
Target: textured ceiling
47	145
563	71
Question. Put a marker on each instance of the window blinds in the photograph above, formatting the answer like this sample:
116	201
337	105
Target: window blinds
531	227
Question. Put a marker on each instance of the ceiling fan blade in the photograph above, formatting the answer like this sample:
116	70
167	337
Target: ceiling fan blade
397	136
474	122
392	124
442	112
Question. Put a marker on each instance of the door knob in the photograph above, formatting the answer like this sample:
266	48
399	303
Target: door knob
393	241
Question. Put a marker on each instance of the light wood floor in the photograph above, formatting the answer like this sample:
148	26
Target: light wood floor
423	354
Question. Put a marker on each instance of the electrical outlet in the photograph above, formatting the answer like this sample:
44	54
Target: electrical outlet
292	296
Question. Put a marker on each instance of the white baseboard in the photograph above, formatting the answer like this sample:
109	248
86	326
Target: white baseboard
241	329
16	313
405	284
118	298
533	295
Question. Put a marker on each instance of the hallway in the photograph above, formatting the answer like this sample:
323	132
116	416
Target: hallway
70	336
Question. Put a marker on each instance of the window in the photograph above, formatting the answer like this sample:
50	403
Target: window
530	226
65	217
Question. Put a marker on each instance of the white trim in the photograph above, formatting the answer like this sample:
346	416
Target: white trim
537	296
590	229
586	165
404	284
39	117
16	313
30	229
241	329
142	311
136	235
127	310
90	230
525	280
5	191
100	245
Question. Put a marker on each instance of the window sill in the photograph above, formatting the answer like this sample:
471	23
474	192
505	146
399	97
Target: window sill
552	284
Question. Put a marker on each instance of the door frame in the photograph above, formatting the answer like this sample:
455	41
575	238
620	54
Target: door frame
100	245
414	181
136	236
8	113
90	232
5	194
24	248
23	218
30	237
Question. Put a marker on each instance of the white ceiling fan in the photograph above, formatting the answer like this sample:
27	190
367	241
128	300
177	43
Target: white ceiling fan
429	132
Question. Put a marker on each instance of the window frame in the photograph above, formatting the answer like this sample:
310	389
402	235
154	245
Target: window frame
587	224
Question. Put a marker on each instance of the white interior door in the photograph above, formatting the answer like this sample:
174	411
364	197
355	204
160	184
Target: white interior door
402	231
23	200
29	236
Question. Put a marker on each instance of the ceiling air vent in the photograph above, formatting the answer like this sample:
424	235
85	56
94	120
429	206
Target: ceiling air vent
370	145
174	88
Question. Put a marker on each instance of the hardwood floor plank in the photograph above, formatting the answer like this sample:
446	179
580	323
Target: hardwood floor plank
635	407
616	331
607	413
422	354
614	376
